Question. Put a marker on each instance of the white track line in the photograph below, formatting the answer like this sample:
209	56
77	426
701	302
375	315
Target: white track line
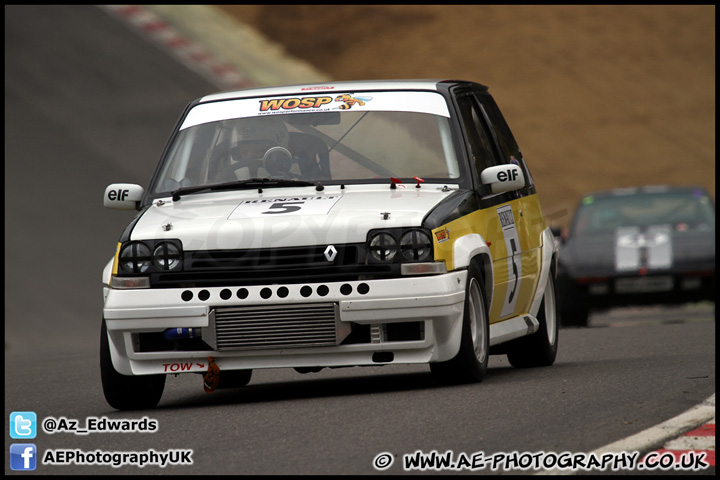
654	437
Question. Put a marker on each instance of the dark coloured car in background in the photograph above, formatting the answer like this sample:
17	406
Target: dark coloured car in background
637	246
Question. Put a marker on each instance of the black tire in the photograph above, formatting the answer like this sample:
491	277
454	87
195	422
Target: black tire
234	378
575	317
471	362
540	348
572	303
124	392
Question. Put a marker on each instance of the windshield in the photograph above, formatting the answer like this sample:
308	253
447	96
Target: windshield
339	139
691	210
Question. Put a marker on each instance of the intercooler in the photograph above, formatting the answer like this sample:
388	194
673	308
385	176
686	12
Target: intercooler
275	326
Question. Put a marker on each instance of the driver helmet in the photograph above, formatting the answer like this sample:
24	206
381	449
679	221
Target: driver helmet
255	136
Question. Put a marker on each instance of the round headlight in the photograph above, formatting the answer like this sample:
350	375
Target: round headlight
166	256
416	246
135	257
383	247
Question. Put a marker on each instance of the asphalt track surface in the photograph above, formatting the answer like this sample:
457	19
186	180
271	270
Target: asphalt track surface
89	102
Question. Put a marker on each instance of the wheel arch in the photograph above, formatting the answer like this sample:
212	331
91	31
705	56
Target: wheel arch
472	249
549	254
107	272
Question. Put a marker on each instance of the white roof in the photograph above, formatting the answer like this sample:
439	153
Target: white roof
420	96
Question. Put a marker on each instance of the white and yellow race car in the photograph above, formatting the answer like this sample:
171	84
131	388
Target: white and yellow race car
329	225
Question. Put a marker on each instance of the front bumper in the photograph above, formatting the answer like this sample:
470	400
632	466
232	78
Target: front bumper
403	320
601	292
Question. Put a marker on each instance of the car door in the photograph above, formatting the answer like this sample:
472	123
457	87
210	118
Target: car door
504	222
523	231
495	220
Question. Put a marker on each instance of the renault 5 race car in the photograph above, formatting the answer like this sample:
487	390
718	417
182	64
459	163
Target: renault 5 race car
637	246
333	225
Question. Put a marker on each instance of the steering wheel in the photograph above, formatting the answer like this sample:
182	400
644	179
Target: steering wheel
278	161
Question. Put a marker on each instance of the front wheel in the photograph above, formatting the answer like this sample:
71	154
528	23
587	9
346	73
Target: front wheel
540	348
575	317
471	362
234	378
125	392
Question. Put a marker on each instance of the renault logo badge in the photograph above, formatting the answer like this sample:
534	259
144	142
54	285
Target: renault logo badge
330	253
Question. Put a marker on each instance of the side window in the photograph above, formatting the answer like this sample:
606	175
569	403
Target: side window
504	137
475	129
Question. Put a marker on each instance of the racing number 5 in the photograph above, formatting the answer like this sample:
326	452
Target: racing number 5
283	207
514	265
515	270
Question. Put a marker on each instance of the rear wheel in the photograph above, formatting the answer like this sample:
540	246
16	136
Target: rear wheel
125	392
470	364
540	348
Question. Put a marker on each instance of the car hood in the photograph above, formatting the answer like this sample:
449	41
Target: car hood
658	248
283	217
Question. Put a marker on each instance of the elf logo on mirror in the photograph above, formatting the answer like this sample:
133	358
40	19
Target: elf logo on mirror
510	175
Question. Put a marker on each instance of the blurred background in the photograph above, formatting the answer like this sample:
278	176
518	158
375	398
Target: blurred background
598	96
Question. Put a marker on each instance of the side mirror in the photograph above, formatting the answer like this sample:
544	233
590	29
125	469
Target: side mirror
503	178
123	196
557	234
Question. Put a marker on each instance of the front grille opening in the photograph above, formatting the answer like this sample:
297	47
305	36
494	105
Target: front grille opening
276	329
393	332
272	258
287	265
359	334
156	342
404	332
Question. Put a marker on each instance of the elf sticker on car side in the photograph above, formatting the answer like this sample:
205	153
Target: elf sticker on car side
307	205
512	243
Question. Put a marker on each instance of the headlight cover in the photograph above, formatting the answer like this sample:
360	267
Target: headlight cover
383	247
416	246
150	256
399	245
134	258
166	256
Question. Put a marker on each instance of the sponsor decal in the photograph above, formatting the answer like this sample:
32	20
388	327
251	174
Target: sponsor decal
300	205
293	103
306	89
442	235
349	100
420	102
507	175
304	103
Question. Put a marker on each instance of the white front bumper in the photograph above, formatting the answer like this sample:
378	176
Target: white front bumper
437	301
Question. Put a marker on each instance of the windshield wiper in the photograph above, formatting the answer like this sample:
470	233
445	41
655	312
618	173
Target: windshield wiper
258	183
